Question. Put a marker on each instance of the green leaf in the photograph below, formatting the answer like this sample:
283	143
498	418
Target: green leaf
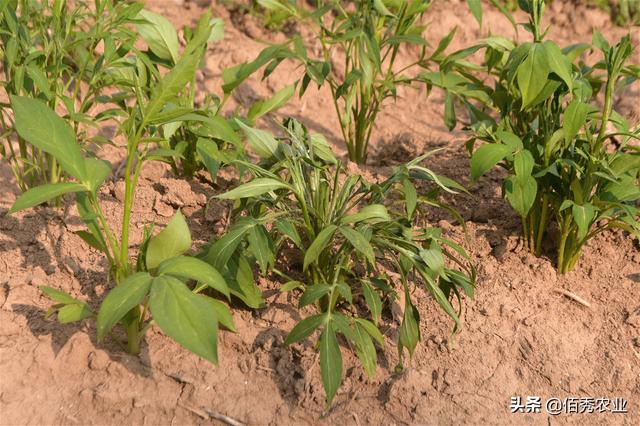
486	157
221	251
262	142
476	10
125	296
43	193
172	241
409	329
371	329
40	126
558	63
373	301
330	362
97	172
314	293
58	296
261	246
242	282
195	269
410	197
266	106
521	192
208	151
574	118
74	312
222	312
159	34
291	285
359	242
449	112
170	85
253	188
185	317
372	213
532	74
365	350
583	216
304	328
318	245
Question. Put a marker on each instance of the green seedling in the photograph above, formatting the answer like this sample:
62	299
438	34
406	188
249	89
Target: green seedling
359	42
58	52
348	232
564	164
154	289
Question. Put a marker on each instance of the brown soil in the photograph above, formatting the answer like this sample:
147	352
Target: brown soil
520	337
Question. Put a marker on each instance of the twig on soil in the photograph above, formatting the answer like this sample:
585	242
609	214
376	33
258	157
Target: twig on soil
572	296
194	411
223	418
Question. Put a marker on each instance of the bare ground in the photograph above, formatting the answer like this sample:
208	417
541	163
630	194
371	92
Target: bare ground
520	336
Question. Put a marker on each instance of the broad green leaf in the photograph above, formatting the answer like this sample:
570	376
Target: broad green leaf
74	312
291	285
242	282
171	84
318	245
365	350
221	251
125	296
449	112
159	34
372	213
266	106
58	296
359	242
523	163
322	149
253	188
187	267
261	247
511	140
574	118
97	172
314	293
330	362
222	313
532	74
583	216
521	193
410	197
558	63
288	229
40	126
262	142
372	330
43	193
486	157
304	328
172	241
373	301
210	155
185	317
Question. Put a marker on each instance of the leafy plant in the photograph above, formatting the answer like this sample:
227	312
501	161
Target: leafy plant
60	53
563	163
158	278
347	232
367	35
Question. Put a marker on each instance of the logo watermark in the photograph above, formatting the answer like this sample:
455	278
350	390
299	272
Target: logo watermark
570	405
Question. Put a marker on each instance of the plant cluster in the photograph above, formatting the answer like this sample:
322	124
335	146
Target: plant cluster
352	245
348	233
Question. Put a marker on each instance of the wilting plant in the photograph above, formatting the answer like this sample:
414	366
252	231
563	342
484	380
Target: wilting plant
154	288
360	42
58	52
564	165
347	232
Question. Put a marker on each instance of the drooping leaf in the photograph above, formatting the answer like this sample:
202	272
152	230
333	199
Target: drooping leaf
558	63
574	118
476	10
125	296
373	301
532	74
262	142
266	106
74	312
372	213
304	328
487	156
43	193
58	296
583	216
365	350
330	362
313	293
185	317
359	242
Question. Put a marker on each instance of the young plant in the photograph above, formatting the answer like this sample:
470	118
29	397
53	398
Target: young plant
157	280
59	53
367	35
563	164
347	232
